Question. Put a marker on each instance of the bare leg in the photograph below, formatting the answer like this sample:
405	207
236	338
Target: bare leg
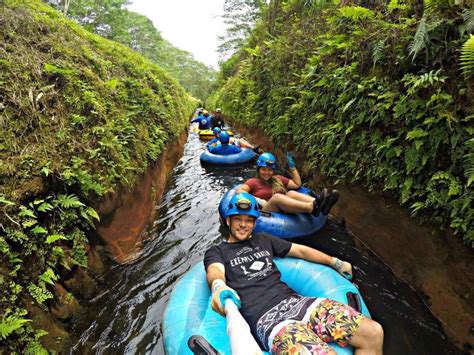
284	203
368	339
245	144
299	196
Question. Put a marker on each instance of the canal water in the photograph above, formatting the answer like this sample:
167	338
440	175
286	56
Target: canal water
126	317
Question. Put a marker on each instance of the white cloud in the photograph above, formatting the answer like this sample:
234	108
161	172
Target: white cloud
192	25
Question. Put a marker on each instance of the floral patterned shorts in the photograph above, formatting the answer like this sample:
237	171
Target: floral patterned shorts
329	321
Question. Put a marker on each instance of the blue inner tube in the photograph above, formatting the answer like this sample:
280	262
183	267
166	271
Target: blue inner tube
281	225
189	311
244	156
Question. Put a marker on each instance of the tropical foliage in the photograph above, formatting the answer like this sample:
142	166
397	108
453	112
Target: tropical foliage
240	17
371	92
80	116
112	20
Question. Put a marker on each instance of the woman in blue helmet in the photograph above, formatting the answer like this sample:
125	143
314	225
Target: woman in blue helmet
275	192
281	320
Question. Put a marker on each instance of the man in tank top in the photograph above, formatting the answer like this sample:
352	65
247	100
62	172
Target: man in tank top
281	321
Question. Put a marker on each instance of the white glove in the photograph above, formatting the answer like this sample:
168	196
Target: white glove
261	202
342	267
220	292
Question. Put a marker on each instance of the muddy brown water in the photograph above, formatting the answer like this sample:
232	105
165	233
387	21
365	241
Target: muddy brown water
126	317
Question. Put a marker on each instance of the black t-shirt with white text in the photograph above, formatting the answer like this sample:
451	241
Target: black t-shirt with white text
250	270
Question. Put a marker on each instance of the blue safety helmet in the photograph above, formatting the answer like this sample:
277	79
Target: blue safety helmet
224	137
216	130
266	160
243	203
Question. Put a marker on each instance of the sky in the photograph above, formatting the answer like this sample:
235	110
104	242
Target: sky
192	25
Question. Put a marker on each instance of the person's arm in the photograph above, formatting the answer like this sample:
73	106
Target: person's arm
295	181
316	256
215	277
215	271
243	188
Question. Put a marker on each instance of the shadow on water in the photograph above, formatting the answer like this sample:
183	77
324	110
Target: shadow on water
126	316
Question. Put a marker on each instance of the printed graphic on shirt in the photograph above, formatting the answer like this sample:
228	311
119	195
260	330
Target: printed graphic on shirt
252	262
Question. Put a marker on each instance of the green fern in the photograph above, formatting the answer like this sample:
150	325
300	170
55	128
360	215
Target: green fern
469	162
317	4
395	5
356	13
438	5
468	25
68	201
467	56
4	201
48	276
11	323
421	39
377	51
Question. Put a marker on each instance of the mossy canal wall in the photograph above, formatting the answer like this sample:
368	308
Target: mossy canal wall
89	132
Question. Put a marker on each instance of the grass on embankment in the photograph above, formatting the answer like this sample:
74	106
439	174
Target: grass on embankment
79	116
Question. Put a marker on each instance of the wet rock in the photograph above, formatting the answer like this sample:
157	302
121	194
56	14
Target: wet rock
65	305
95	265
81	284
58	340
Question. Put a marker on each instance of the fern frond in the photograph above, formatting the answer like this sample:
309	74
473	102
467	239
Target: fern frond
437	5
468	25
467	56
4	201
377	51
420	39
317	4
469	162
11	323
68	201
356	13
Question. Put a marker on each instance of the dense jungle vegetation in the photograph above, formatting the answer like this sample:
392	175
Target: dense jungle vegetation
376	92
80	116
112	20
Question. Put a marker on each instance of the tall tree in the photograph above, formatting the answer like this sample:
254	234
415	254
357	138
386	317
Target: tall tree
240	17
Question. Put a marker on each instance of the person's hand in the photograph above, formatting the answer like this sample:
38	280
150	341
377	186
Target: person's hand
220	292
261	202
256	149
342	267
291	160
